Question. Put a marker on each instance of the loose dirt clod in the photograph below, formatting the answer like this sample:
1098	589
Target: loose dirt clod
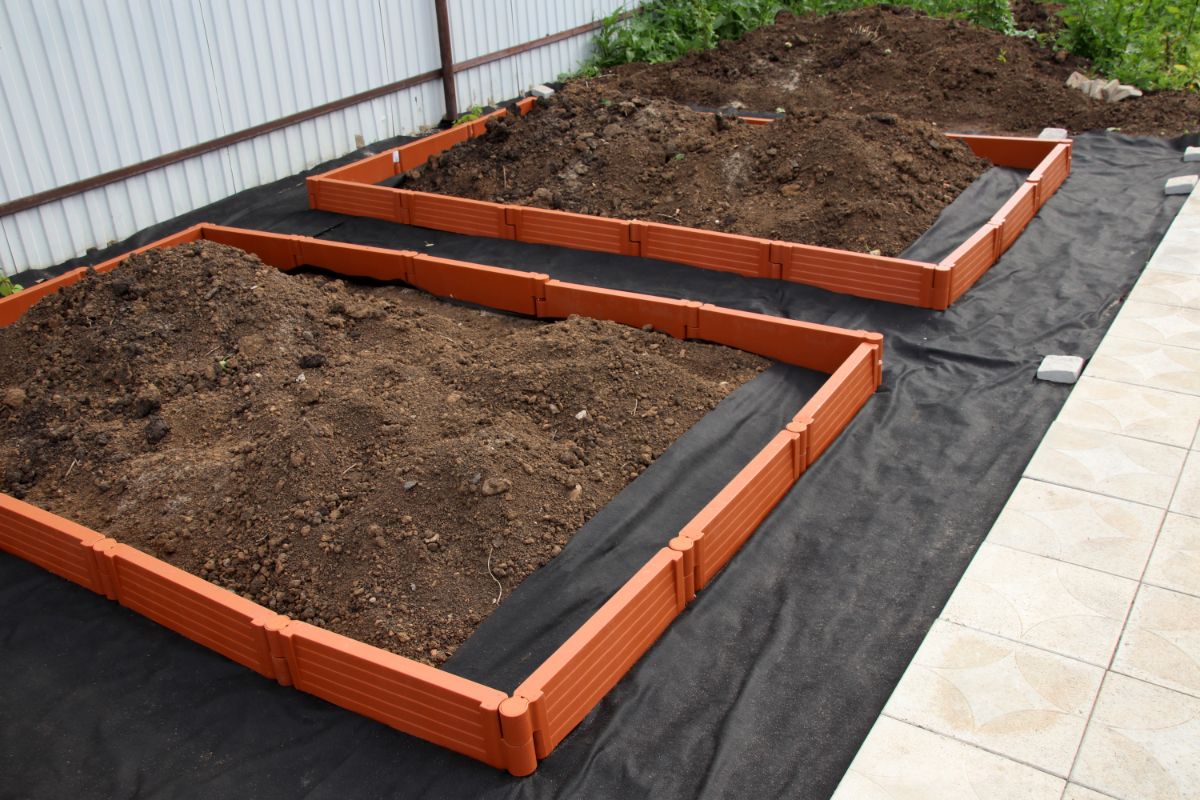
832	178
197	426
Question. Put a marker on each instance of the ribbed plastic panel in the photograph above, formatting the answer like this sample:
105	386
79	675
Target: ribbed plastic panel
570	683
409	696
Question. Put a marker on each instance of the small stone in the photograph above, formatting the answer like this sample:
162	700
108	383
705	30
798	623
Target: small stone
15	397
494	486
410	485
541	90
310	395
1180	184
1191	154
312	361
1053	133
156	429
1060	369
575	494
582	415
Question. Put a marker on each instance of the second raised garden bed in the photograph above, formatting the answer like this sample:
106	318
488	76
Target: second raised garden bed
506	731
353	189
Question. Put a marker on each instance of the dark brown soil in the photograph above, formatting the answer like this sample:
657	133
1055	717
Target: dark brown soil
898	61
358	457
838	179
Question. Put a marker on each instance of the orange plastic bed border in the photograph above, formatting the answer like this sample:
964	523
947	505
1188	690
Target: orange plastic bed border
352	190
507	732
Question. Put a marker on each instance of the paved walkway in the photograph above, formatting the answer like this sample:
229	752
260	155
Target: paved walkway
1066	665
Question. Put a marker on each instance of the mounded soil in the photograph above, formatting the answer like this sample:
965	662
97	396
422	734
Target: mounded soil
843	179
896	60
370	459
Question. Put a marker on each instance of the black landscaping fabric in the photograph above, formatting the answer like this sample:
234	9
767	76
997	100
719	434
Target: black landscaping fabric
768	682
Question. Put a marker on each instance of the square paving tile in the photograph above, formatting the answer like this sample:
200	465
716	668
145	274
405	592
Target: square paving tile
1177	252
1069	609
1155	322
1160	366
1161	643
1141	743
1079	527
1137	411
1187	494
1007	697
1098	461
1175	561
1168	288
899	761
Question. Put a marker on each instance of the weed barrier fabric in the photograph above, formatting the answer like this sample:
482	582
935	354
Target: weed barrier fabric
768	682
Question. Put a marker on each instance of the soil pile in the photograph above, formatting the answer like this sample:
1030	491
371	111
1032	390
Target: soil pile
370	459
896	60
837	179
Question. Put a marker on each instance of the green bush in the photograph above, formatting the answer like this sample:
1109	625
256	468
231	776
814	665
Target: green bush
1154	44
668	29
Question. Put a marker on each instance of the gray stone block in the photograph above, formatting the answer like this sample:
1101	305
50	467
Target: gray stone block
1054	133
1180	184
541	90
1191	154
1060	369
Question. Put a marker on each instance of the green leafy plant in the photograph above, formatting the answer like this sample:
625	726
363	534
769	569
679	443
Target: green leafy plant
470	115
7	287
1154	44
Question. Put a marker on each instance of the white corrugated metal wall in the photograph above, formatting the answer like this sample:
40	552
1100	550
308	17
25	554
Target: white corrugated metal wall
87	87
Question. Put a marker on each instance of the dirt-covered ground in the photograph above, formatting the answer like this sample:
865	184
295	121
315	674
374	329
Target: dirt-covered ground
370	459
834	178
895	60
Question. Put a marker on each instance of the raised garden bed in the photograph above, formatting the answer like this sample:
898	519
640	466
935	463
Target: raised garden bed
509	732
353	189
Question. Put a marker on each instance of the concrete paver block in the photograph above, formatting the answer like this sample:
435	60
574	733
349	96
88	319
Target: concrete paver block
541	90
1053	133
1060	369
1191	154
1180	184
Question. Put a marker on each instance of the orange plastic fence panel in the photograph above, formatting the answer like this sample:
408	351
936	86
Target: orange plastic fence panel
51	542
1015	214
572	681
355	259
507	289
805	344
834	405
371	169
414	154
725	252
628	308
972	258
1051	173
14	306
357	199
895	280
277	249
1009	151
729	519
207	614
422	701
565	229
457	215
